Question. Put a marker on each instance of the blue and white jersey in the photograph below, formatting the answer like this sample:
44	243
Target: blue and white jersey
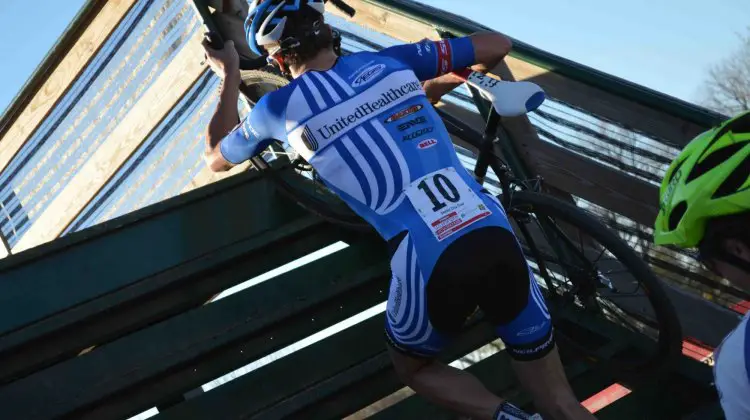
369	131
732	372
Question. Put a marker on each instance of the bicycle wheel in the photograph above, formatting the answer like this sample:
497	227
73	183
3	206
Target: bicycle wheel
561	240
301	184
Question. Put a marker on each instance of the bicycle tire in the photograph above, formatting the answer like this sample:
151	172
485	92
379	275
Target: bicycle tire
307	194
669	343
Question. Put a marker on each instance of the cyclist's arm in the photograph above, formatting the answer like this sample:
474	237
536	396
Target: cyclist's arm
433	61
223	121
243	140
489	50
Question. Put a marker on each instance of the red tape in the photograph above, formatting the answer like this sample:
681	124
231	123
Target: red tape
445	57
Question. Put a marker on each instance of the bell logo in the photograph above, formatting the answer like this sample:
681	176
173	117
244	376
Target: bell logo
426	144
367	75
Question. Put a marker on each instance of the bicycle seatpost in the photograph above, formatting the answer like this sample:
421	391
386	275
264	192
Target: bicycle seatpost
485	148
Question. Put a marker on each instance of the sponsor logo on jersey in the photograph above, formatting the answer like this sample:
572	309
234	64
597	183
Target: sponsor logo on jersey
308	138
412	123
352	117
445	62
426	144
531	330
404	112
248	129
368	75
418	133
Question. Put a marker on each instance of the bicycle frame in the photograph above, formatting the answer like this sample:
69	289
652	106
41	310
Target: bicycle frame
487	157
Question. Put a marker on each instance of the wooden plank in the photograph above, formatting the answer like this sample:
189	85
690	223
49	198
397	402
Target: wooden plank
104	274
353	390
151	108
632	115
294	373
392	24
592	181
646	119
601	81
162	296
576	174
52	80
211	339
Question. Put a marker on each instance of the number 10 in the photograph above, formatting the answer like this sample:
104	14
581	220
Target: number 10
444	186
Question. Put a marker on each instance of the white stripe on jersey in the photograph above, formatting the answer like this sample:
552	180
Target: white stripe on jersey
332	167
402	165
315	92
336	78
297	110
370	143
331	91
369	175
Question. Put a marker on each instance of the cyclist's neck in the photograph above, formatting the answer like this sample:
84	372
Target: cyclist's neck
324	60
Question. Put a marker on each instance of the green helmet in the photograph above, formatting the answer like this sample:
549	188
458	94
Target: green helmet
710	178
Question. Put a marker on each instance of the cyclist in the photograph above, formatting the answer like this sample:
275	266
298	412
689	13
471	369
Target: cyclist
365	123
705	203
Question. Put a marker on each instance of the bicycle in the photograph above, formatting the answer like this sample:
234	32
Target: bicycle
570	281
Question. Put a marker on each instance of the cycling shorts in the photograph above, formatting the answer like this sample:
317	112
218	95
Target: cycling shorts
483	268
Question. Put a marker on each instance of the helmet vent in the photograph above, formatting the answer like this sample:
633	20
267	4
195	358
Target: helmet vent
735	180
713	160
676	215
738	125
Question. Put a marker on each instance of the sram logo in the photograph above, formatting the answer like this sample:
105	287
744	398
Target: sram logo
404	112
412	123
367	75
426	144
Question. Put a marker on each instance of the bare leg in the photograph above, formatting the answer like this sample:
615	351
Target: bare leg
545	380
446	386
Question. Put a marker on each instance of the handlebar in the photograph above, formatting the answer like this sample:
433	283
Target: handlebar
339	4
216	42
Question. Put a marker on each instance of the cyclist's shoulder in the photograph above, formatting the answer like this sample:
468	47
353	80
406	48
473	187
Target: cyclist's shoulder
355	61
275	102
734	353
732	371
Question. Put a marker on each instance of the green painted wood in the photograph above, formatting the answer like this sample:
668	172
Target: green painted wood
137	371
158	298
361	385
163	291
270	384
165	240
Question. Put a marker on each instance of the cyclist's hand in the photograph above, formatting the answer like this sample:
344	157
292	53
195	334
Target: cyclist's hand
224	62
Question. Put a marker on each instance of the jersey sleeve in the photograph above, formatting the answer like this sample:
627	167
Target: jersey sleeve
430	59
732	372
252	135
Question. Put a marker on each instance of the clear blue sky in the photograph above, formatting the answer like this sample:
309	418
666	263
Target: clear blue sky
29	30
666	45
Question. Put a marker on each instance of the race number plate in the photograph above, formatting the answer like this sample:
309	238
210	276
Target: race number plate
445	202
